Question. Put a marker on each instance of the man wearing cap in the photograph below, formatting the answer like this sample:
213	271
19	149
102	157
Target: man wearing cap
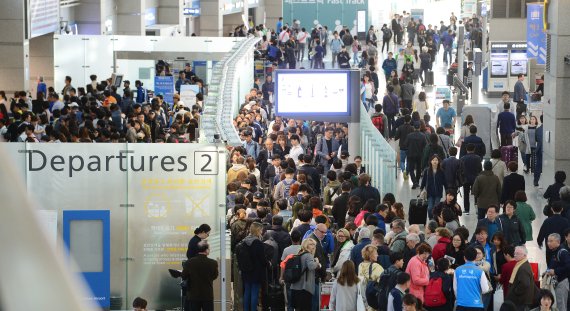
486	189
251	147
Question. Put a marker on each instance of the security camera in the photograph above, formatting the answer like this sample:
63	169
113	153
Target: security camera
567	59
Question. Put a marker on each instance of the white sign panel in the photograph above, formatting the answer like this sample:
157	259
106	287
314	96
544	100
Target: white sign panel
312	92
44	17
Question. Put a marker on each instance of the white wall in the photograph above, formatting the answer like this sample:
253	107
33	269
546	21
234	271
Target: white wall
41	61
507	29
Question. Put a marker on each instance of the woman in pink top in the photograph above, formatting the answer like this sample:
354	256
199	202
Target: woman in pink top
419	271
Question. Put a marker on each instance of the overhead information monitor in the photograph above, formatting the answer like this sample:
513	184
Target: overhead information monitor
302	93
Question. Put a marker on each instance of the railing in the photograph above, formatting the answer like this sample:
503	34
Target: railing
222	104
379	156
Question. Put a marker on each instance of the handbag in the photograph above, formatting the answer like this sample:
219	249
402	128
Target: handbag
498	298
359	300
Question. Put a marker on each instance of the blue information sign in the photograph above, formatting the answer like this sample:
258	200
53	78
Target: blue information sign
535	34
165	86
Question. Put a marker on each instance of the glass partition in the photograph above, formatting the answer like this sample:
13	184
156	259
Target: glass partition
378	156
157	194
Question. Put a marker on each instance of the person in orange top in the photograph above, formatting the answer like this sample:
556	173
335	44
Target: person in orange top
315	204
109	99
419	271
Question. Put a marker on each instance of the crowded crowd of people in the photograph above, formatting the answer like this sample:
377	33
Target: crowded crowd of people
100	112
303	215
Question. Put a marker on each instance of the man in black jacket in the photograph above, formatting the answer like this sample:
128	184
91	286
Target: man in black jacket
340	204
512	183
200	273
365	191
415	144
480	148
278	233
553	224
311	172
402	133
470	168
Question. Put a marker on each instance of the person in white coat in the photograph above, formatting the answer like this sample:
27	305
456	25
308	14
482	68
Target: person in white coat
344	294
342	250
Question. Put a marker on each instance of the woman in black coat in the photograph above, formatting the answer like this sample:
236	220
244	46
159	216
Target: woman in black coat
200	234
455	250
512	183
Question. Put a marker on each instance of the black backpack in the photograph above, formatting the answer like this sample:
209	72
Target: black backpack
293	269
244	257
387	283
372	291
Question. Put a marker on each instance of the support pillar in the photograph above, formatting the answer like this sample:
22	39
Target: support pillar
130	18
14	48
556	155
211	18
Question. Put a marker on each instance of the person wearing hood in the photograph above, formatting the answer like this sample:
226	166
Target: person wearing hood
236	168
253	279
486	189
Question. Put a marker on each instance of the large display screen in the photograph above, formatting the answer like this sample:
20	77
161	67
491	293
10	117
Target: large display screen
499	63
518	62
312	93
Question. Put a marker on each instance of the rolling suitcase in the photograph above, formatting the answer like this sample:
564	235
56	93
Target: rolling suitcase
273	299
418	212
509	153
429	77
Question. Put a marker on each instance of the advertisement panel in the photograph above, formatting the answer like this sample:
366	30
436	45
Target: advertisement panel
331	13
44	17
535	33
157	194
164	85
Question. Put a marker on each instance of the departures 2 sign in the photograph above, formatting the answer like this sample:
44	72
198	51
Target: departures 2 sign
202	162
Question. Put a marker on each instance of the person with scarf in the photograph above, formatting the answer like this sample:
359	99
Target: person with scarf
522	290
342	249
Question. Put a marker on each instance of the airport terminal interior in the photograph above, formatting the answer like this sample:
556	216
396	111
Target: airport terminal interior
242	155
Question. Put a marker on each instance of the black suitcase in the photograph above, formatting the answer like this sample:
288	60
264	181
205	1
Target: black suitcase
429	77
417	212
274	300
449	79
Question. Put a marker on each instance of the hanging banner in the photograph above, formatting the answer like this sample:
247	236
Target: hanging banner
165	86
44	17
417	14
535	33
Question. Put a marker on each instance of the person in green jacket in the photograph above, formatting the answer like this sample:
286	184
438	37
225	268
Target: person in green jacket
525	213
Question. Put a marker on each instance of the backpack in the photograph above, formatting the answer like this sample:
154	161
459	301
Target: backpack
271	251
293	269
387	34
372	291
287	188
387	283
244	257
378	122
433	294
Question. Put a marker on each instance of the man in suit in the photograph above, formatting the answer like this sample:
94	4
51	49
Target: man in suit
327	149
480	148
200	273
522	291
265	157
470	167
520	95
273	170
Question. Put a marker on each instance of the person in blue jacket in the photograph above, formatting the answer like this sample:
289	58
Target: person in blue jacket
328	241
388	65
472	281
433	181
506	124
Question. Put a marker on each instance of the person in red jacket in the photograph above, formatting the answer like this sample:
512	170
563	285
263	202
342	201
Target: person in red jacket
419	271
507	268
444	239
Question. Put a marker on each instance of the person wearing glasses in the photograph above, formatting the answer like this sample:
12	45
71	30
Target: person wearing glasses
200	233
342	249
